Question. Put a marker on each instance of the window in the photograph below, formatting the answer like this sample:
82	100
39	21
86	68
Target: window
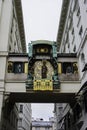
21	108
11	30
67	38
73	39
78	11
85	102
13	2
60	110
79	110
18	67
67	67
68	45
83	60
74	49
81	30
72	31
15	47
9	47
85	1
12	25
11	39
14	43
71	23
20	122
76	5
68	119
65	125
15	67
79	19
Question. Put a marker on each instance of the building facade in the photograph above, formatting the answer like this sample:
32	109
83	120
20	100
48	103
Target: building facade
40	124
12	40
58	114
24	120
72	38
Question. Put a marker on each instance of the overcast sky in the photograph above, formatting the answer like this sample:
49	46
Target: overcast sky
42	110
41	20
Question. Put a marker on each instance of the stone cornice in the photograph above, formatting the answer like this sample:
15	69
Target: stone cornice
62	21
18	7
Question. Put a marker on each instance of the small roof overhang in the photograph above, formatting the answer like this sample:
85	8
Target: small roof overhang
62	21
18	7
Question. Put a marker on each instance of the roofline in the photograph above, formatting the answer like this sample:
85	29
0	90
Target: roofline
42	42
17	54
67	55
63	16
18	7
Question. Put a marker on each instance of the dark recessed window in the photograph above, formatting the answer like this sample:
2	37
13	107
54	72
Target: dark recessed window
9	47
78	12
85	1
18	67
74	49
21	108
85	102
81	30
72	31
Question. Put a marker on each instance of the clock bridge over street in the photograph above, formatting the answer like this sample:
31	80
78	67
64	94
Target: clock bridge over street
41	76
20	88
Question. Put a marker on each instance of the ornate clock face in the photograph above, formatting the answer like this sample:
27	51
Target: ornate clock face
38	69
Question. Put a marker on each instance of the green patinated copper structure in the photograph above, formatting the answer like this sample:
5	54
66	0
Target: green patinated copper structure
42	66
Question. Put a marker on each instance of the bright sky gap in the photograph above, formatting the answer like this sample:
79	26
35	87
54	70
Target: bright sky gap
41	21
